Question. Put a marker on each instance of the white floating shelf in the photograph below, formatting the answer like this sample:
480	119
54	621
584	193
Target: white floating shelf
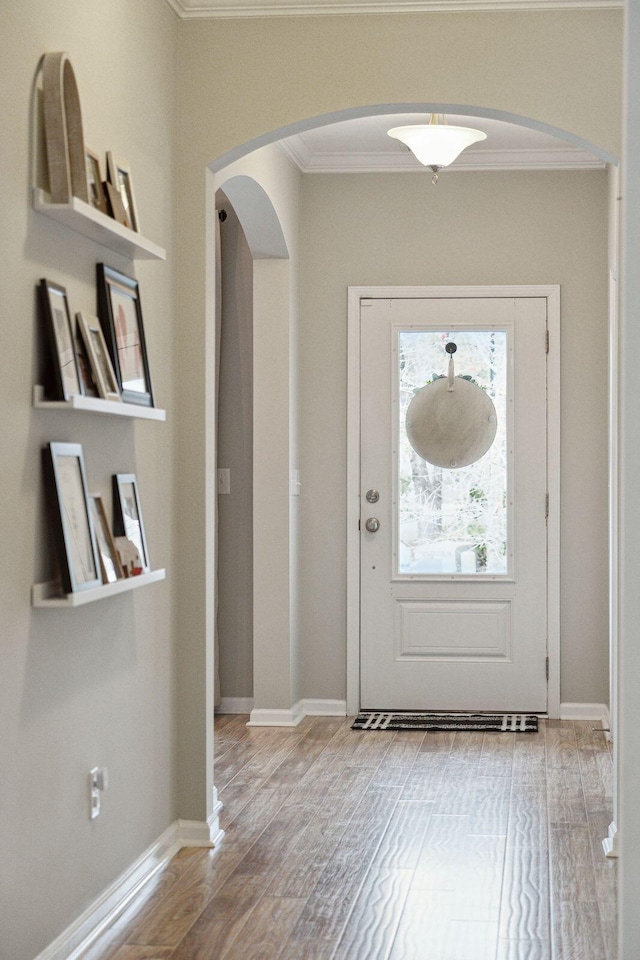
46	595
92	223
96	405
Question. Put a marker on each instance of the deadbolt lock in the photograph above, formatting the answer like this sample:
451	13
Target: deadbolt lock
372	496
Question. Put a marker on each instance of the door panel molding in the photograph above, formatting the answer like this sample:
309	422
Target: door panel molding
358	296
448	620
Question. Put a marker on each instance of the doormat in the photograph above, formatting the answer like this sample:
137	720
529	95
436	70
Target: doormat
488	722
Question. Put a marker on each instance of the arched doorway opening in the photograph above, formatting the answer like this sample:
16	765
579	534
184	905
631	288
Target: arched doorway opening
285	702
255	404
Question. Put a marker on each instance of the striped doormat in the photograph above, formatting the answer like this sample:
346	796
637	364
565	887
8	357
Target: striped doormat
490	722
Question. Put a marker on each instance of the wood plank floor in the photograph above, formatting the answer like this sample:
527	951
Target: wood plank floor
348	845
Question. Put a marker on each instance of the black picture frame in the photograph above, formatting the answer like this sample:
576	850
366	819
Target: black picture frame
127	515
74	535
120	313
64	378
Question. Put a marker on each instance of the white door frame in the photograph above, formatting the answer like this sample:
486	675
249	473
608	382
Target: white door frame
552	295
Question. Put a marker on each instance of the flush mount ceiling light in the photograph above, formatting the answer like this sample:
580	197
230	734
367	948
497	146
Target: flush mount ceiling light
436	144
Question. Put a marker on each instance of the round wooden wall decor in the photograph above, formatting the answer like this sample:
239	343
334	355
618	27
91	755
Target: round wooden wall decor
451	424
63	130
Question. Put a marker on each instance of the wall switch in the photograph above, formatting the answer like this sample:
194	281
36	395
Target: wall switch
224	480
294	483
98	782
94	794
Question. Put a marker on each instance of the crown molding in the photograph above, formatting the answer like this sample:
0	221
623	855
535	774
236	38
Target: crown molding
562	159
296	149
232	9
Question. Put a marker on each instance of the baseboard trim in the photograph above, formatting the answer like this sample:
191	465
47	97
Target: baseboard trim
197	833
324	708
303	708
262	717
80	934
235	705
586	711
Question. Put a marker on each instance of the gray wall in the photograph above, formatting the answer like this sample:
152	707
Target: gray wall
103	685
241	81
472	228
235	451
95	685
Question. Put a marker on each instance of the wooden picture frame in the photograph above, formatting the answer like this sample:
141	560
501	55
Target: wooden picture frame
101	367
127	514
110	566
115	206
87	379
64	380
73	526
119	174
94	180
120	313
63	130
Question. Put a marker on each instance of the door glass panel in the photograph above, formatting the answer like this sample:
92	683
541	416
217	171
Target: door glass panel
453	521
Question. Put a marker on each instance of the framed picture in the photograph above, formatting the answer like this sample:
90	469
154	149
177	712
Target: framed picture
99	361
121	320
119	174
115	206
127	514
87	380
64	377
73	526
110	566
94	180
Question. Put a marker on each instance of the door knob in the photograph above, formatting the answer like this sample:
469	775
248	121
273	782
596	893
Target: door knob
372	525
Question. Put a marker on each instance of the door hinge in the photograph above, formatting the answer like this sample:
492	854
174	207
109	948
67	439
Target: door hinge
358	525
546	341
546	506
546	667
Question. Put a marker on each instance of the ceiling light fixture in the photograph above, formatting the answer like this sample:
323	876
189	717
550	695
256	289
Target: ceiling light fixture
436	144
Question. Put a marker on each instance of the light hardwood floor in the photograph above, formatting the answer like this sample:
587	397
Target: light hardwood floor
346	845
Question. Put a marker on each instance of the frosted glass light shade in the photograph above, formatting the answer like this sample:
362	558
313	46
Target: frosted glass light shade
436	144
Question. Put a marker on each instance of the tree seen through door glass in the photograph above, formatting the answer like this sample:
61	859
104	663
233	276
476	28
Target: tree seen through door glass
453	521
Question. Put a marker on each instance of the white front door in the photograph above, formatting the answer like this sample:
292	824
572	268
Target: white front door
454	579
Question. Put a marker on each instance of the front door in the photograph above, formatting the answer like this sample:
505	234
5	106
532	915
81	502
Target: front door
454	574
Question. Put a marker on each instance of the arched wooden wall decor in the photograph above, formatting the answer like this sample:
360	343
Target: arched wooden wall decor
63	130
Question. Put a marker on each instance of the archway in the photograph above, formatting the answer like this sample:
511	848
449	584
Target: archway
288	713
352	113
273	526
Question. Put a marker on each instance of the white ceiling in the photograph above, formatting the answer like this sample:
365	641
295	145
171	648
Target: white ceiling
363	145
208	9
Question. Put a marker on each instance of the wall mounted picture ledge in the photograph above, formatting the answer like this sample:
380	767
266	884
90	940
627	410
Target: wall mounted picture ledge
63	130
